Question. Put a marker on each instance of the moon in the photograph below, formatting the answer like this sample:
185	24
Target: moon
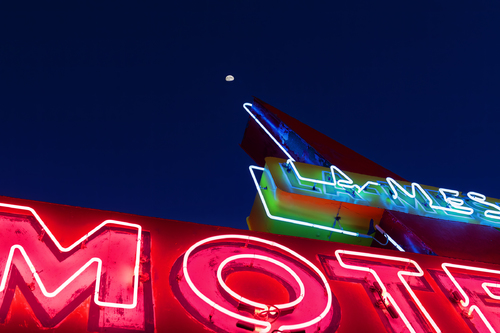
229	78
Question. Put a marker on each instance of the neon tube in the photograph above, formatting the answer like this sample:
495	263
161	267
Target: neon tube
284	219
485	286
455	203
67	249
483	318
362	188
345	183
266	325
256	304
307	224
245	105
465	302
385	294
481	198
389	238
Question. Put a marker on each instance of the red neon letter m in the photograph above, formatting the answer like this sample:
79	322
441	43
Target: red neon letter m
104	264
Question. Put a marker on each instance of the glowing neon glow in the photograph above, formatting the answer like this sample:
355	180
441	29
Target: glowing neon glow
343	182
483	318
385	294
245	105
454	207
256	304
266	326
481	198
83	268
389	238
486	286
307	224
284	219
347	182
465	301
303	223
454	204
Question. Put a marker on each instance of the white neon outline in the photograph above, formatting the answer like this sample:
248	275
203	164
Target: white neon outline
347	183
362	188
344	183
385	294
257	304
265	130
308	224
454	193
267	326
480	313
488	213
389	238
67	249
485	286
465	302
455	203
284	219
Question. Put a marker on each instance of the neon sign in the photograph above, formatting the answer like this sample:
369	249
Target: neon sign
393	284
267	192
311	302
472	293
413	198
295	193
385	274
106	260
445	202
209	280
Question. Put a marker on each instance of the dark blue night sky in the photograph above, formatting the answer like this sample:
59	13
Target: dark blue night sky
123	106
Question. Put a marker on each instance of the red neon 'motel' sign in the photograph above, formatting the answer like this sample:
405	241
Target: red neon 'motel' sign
106	262
151	275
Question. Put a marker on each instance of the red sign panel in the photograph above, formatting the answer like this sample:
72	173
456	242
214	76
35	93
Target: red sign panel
66	268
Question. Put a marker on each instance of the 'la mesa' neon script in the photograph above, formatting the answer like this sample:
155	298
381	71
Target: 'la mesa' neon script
410	198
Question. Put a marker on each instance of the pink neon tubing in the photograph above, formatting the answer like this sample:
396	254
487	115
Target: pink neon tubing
266	325
67	249
465	302
385	294
256	304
